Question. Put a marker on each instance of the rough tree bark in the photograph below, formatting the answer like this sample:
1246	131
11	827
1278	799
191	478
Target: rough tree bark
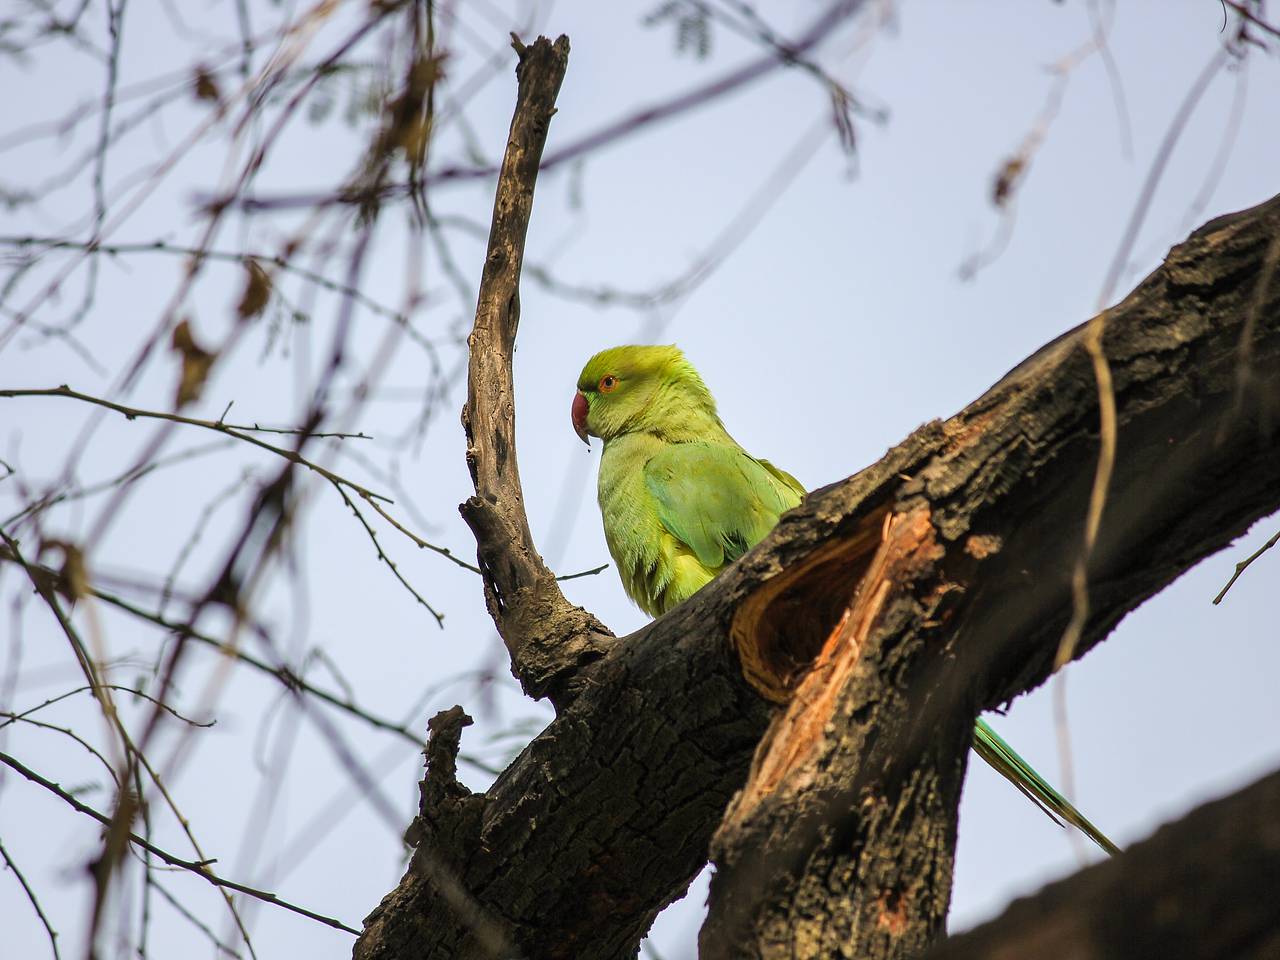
1155	901
548	638
841	843
926	587
842	839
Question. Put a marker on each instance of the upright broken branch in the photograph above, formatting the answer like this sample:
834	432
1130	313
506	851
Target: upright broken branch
548	638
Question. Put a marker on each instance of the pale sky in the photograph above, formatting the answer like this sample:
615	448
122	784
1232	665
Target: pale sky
832	328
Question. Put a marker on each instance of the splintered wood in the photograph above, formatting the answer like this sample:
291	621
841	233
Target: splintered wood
779	629
796	735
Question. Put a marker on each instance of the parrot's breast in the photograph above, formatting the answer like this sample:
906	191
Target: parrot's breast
657	570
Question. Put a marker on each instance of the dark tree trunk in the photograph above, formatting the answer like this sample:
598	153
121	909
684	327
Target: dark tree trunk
885	612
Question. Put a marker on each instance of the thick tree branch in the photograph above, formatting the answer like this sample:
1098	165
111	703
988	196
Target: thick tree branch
1205	886
844	835
548	638
928	586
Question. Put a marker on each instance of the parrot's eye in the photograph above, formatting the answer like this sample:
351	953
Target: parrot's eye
608	383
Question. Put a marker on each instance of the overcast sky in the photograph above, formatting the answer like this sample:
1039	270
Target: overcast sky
834	322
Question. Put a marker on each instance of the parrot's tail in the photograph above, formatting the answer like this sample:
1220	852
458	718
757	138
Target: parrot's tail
1006	762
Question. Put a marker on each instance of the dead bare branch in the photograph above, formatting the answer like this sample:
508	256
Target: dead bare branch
547	637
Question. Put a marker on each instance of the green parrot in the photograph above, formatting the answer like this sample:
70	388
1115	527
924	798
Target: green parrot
681	501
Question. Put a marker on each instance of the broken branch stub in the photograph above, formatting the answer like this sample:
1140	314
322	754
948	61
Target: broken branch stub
548	638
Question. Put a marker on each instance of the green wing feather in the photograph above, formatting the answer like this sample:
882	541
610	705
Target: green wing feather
1005	761
717	499
787	480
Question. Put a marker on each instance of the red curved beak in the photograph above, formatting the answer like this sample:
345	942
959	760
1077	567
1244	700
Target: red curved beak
580	417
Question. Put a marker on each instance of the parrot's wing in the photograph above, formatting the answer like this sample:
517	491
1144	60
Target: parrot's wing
717	499
786	479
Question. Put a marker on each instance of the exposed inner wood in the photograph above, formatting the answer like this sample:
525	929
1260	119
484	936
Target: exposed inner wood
779	630
907	544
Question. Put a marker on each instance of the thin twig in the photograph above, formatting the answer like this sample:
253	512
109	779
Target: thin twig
115	28
1243	565
443	551
1107	439
106	686
237	431
65	731
130	475
1102	372
199	868
35	902
382	555
1249	15
821	27
118	826
584	573
231	429
1015	168
191	918
275	260
193	539
45	587
283	674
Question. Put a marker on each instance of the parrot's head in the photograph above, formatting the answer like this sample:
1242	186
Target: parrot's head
640	389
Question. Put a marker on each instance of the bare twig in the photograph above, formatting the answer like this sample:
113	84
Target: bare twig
118	826
1243	565
108	686
236	430
45	587
66	732
189	916
700	96
115	27
228	256
1093	344
584	573
422	544
1092	341
287	677
1231	130
35	901
131	475
1013	171
207	513
199	868
382	554
240	433
1247	14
